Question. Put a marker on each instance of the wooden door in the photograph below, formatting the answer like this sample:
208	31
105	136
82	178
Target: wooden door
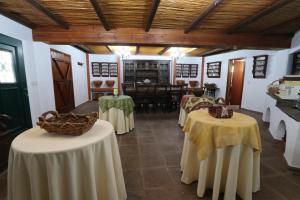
14	102
235	82
62	81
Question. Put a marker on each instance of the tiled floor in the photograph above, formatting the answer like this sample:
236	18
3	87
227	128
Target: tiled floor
151	155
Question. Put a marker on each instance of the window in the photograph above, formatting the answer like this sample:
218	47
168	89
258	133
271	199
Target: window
7	74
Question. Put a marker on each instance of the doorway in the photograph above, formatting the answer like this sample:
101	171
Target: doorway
235	81
15	114
62	81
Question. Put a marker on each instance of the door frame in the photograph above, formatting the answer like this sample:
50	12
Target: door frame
17	44
228	72
57	51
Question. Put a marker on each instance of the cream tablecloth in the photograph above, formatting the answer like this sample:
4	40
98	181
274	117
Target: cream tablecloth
117	113
45	166
225	162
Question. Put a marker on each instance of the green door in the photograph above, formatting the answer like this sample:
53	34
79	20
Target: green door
13	89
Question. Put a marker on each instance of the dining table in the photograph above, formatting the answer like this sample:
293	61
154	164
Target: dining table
51	166
222	154
118	110
191	102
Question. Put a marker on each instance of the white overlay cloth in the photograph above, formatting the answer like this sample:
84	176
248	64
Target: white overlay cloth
121	123
182	117
233	169
44	166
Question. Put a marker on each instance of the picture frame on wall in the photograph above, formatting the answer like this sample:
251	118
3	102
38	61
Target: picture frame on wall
178	70
105	70
193	70
113	70
260	64
296	64
185	71
96	69
214	69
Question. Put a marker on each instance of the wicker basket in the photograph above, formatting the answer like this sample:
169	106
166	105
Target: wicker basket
220	111
67	124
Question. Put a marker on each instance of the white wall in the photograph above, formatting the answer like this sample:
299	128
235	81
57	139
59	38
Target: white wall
38	68
191	60
102	58
45	79
114	58
296	40
254	89
20	32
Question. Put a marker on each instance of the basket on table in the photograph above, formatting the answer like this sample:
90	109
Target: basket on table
220	109
67	124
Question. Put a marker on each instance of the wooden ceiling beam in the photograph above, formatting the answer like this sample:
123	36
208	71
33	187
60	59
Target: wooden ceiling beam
84	48
164	50
259	15
269	30
100	14
156	37
216	51
155	4
79	48
137	50
48	13
109	49
200	19
18	18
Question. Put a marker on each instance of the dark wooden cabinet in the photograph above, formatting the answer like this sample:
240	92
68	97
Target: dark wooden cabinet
296	64
139	70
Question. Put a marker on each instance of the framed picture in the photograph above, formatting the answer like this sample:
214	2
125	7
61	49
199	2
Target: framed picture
214	69
260	66
296	64
185	71
113	70
96	69
178	70
193	70
104	69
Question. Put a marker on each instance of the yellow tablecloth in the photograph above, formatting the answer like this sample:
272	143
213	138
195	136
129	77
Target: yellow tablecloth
222	154
209	133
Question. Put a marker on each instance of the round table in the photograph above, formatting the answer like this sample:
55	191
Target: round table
189	103
222	154
51	167
118	110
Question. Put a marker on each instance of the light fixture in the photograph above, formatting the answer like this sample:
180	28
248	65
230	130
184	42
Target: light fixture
176	52
122	51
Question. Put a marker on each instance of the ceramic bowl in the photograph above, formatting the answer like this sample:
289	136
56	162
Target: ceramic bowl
97	84
110	83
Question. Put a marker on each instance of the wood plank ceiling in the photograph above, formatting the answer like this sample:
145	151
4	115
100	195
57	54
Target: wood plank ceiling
153	26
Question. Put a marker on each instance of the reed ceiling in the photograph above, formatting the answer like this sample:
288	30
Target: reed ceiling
184	15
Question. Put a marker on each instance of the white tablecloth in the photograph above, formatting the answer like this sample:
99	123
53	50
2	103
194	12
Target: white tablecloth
45	166
233	169
121	123
182	117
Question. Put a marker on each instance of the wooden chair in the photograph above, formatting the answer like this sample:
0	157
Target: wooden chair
176	93
129	89
162	94
141	100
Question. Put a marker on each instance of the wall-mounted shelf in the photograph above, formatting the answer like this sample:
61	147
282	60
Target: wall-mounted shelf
139	70
214	69
260	66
